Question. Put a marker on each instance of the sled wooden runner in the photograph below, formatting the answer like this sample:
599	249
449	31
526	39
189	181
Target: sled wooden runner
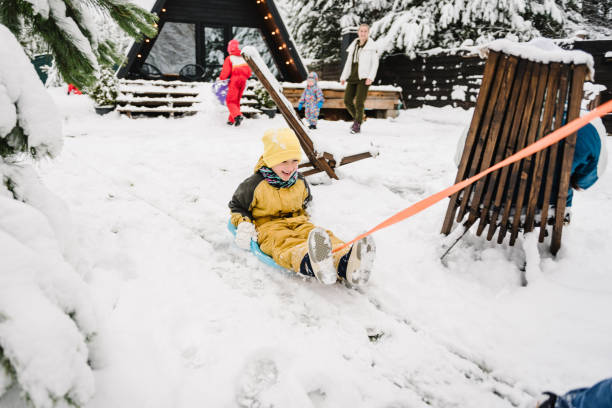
519	102
318	161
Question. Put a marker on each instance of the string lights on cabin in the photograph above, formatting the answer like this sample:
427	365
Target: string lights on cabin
275	31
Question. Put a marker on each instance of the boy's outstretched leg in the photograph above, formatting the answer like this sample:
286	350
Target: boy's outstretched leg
356	266
320	256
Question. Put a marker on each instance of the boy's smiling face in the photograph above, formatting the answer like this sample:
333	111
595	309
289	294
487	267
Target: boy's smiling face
286	169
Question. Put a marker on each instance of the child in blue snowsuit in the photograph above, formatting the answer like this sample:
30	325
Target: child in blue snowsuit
312	99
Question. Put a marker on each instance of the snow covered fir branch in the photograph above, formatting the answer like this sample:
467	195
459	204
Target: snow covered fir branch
68	30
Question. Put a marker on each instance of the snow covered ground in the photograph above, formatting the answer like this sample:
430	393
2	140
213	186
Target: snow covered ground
187	319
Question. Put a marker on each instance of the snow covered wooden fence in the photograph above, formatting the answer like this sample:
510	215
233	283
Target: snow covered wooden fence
437	80
454	78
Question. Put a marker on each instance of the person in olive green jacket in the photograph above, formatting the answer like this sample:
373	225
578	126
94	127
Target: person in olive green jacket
270	208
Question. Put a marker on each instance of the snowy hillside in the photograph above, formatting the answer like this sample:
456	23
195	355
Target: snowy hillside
187	319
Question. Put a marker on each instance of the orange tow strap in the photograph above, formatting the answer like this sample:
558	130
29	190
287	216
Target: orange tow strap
535	147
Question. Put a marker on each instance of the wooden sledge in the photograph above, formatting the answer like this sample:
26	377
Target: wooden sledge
318	161
519	102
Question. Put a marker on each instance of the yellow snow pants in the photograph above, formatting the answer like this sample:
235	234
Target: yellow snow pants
285	240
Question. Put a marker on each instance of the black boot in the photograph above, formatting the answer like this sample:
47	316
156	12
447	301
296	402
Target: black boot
312	126
237	120
356	128
549	402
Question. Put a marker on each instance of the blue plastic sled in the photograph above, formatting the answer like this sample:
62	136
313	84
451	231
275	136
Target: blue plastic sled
255	249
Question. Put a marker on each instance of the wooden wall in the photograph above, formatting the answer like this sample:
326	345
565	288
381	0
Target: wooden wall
437	80
603	70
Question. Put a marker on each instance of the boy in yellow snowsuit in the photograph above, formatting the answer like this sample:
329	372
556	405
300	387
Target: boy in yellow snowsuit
270	207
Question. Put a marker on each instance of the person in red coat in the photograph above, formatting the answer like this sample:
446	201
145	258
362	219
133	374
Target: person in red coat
237	70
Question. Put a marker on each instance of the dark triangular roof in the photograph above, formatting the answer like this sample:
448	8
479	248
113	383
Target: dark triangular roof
261	14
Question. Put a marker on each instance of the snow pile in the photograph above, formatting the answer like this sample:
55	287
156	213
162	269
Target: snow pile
24	103
542	50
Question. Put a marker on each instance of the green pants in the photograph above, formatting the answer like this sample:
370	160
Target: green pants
355	95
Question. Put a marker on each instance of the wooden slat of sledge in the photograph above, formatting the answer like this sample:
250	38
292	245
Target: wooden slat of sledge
487	80
483	132
519	125
520	172
554	150
573	111
519	88
501	107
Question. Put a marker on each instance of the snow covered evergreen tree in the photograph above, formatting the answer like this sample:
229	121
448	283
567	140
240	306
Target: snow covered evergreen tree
69	30
597	18
46	318
412	25
317	24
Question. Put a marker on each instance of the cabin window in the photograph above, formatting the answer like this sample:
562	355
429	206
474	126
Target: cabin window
214	52
252	36
174	48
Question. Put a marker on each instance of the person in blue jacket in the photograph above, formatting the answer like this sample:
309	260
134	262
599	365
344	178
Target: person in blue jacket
590	157
597	396
312	99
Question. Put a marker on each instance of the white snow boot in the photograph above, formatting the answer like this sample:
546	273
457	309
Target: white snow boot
361	261
320	254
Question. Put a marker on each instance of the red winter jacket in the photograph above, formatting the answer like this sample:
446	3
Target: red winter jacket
234	66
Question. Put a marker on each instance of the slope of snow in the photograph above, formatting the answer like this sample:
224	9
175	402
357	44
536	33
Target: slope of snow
188	319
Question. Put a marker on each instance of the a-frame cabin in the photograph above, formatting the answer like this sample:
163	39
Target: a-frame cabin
197	32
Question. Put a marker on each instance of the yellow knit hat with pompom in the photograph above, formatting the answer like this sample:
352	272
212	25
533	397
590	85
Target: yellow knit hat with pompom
280	145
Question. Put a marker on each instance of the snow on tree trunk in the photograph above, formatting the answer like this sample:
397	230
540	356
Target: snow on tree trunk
46	318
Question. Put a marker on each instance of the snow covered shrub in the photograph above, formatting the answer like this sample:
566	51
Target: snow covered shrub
264	100
104	93
45	315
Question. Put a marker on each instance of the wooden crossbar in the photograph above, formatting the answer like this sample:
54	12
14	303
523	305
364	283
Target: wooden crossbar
519	102
318	161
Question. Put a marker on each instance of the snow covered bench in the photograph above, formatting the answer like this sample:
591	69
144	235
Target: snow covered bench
526	93
383	100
